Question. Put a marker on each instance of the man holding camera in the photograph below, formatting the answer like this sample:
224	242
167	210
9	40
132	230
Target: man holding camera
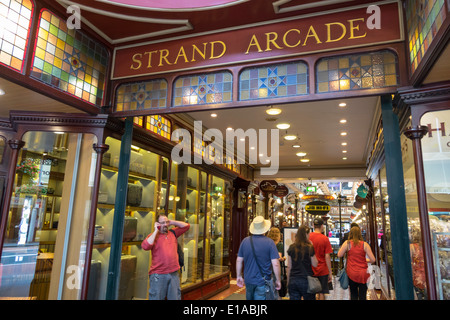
164	278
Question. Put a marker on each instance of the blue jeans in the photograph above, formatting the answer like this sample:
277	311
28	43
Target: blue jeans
165	285
255	292
298	288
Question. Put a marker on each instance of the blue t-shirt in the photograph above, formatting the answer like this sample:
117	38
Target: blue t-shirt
265	251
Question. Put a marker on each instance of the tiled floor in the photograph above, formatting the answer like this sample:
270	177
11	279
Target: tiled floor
236	293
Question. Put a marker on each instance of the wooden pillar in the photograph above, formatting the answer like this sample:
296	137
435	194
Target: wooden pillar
416	134
100	149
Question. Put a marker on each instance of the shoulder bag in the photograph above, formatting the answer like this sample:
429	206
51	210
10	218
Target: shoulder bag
271	291
342	274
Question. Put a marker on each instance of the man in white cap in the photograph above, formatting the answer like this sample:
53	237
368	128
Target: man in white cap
267	255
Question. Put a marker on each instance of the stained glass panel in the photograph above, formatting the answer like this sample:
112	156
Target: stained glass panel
424	19
203	89
15	20
356	72
142	95
159	125
274	81
69	60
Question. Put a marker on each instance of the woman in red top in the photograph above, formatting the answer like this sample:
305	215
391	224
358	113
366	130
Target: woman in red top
357	267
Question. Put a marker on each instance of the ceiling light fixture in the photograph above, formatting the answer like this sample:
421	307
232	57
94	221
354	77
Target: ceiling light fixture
342	105
343	143
273	111
344	158
214	115
283	126
290	137
296	146
343	133
304	160
301	154
343	121
2	92
229	128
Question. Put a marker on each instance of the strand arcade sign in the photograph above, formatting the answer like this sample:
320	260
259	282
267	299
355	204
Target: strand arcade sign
346	28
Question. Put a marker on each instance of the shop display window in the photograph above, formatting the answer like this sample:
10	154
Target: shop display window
150	94
48	217
423	21
274	81
386	241
203	89
69	60
436	159
357	71
15	17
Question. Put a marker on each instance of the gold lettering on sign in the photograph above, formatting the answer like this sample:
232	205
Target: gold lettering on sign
352	28
271	39
312	33
136	59
224	49
285	38
253	42
343	28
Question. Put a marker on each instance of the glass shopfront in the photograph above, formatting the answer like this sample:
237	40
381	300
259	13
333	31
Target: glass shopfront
45	239
190	195
436	159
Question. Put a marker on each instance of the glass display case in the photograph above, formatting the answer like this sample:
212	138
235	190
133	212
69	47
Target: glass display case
48	216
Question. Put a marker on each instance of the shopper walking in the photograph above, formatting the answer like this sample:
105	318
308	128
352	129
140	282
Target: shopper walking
164	278
357	250
323	249
301	259
267	257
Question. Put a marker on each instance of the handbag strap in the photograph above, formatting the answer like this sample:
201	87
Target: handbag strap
256	260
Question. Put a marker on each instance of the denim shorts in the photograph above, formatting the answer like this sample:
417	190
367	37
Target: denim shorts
255	292
165	285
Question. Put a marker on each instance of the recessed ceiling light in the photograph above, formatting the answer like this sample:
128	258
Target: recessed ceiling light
343	104
343	133
2	92
283	126
343	121
344	151
344	143
304	160
214	115
273	111
290	137
296	146
230	128
242	139
344	158
300	154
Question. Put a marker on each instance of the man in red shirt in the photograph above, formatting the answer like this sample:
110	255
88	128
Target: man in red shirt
164	278
323	249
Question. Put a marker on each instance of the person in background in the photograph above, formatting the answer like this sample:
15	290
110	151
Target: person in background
275	235
357	250
301	259
345	237
267	255
323	250
164	278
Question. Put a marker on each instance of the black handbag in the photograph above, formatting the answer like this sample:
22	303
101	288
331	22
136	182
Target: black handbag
283	291
271	291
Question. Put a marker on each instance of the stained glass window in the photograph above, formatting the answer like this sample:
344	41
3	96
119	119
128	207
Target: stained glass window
274	81
142	95
355	72
424	19
159	125
203	89
139	121
15	19
69	60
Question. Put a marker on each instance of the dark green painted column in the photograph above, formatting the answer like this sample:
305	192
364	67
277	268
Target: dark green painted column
119	212
397	203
